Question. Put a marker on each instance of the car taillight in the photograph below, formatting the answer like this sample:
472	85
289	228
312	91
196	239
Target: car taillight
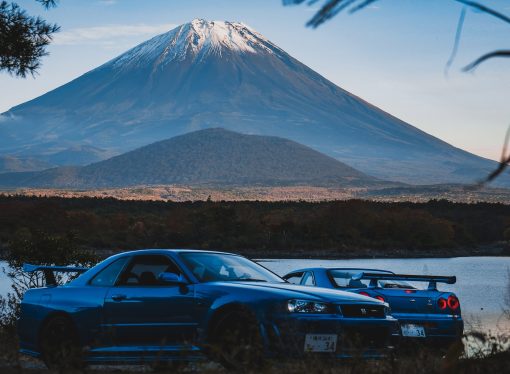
378	297
453	302
442	303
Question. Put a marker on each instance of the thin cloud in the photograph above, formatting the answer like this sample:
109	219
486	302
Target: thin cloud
105	35
108	2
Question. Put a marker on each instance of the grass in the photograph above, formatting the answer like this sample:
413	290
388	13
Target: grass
489	354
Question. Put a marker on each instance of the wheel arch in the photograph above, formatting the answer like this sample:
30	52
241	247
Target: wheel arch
219	314
52	315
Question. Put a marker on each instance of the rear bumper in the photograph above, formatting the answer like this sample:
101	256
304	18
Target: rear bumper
357	337
441	330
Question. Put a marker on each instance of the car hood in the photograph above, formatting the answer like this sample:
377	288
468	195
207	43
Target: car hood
289	290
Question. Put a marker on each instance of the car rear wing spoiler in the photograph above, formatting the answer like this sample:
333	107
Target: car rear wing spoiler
49	271
432	279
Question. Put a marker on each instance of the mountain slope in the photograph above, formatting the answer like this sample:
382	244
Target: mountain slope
222	74
15	164
212	156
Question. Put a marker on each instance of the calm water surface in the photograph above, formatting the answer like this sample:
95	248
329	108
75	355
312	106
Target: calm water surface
482	282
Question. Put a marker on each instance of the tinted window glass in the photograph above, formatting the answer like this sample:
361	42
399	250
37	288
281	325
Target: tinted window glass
210	267
309	280
108	276
343	278
145	270
294	278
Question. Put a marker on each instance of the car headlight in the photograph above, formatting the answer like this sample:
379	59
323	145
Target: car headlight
306	306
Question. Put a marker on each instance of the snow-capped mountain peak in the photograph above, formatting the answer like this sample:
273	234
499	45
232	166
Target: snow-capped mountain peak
224	74
196	40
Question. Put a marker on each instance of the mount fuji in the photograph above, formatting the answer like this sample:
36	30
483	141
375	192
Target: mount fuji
225	74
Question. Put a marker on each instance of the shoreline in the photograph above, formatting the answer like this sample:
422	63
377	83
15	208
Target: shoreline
379	254
497	250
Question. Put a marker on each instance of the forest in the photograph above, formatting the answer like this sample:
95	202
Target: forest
351	228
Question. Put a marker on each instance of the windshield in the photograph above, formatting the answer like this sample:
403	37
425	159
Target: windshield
210	267
343	278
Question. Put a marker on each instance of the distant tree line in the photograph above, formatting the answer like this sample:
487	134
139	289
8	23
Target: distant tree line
270	228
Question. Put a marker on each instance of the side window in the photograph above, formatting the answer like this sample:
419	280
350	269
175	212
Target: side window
144	270
108	275
308	279
294	278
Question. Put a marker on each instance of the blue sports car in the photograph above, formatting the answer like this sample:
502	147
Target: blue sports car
425	315
172	305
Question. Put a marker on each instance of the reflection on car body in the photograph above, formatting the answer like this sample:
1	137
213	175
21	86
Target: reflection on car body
149	305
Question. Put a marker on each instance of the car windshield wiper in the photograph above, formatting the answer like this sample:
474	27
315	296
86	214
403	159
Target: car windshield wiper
246	280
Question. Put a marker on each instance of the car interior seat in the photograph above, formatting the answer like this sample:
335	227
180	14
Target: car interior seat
148	278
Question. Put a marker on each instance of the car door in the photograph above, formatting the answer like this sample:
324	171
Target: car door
140	310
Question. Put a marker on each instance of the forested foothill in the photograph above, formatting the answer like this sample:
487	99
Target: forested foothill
340	229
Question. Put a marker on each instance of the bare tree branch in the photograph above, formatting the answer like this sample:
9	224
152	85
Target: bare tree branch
332	7
505	159
458	35
504	162
485	57
485	9
362	5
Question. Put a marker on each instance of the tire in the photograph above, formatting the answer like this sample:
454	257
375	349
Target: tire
59	345
237	342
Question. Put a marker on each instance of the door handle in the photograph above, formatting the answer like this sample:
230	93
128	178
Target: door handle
118	297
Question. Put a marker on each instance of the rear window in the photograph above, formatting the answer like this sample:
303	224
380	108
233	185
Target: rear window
343	278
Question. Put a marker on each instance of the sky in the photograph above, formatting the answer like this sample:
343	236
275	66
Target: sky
392	54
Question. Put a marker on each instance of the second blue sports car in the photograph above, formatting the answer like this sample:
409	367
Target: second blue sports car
151	305
425	315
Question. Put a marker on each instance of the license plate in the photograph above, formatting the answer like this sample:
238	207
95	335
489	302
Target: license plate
320	342
413	331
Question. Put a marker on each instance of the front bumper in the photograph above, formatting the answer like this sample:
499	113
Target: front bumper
357	337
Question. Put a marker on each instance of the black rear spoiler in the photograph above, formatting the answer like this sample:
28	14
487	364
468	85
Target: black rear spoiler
432	279
50	270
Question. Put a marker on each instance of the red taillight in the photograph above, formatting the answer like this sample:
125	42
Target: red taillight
453	302
442	303
378	297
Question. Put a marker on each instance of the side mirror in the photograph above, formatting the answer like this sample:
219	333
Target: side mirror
172	278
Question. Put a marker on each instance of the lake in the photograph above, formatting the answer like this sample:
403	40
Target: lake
482	282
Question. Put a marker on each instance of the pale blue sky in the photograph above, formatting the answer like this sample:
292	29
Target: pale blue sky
392	54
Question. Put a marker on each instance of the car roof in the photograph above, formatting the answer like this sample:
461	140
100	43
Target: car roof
83	279
176	250
335	268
